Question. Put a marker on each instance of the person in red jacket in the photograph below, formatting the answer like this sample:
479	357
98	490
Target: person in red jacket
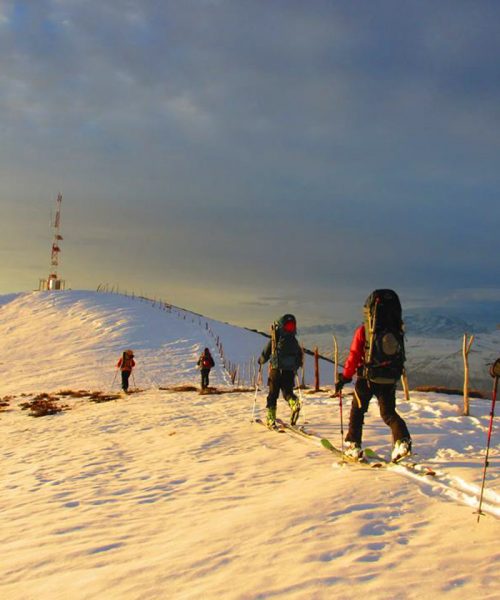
126	364
364	390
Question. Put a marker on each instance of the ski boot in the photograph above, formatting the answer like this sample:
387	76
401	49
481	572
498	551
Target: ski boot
401	449
354	451
294	404
271	418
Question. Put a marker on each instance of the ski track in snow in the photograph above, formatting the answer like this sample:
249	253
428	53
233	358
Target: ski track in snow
166	494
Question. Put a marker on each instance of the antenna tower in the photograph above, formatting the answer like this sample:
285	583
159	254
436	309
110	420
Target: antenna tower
53	282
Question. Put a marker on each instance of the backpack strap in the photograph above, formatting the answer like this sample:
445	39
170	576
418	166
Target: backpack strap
372	323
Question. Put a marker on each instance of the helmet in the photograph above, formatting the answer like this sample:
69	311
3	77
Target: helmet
288	324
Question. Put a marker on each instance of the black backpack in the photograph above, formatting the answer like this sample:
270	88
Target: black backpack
285	347
384	347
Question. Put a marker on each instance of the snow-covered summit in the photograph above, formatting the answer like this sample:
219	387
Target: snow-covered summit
54	339
163	494
75	338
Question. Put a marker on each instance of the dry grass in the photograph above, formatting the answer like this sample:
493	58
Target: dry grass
74	394
5	402
101	397
43	405
180	388
210	391
451	391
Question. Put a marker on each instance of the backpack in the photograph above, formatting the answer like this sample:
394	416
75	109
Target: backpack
127	361
384	333
206	363
284	345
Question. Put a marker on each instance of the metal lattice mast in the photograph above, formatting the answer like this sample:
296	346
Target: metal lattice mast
56	248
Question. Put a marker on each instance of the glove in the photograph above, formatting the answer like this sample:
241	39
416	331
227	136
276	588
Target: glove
341	382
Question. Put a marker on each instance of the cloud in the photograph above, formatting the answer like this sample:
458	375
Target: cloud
308	150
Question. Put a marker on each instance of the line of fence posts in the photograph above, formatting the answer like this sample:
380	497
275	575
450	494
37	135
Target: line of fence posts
233	370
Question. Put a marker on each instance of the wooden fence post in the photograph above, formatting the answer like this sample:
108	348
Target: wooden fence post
336	361
406	388
303	382
466	346
316	369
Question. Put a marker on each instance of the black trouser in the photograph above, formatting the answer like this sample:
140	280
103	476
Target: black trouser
280	380
125	376
204	378
386	396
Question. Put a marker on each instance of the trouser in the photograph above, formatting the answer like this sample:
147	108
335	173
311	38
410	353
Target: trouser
386	396
125	377
204	378
280	380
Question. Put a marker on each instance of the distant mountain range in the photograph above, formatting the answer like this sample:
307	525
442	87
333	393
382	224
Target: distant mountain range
448	322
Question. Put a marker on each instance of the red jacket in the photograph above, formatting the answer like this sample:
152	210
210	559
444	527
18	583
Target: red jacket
126	365
356	356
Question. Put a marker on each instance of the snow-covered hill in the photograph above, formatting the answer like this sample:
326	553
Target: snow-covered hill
165	494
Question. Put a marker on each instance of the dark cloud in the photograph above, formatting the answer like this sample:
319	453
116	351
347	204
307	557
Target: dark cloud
304	147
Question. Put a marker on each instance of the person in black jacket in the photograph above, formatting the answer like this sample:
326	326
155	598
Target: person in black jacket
205	363
285	356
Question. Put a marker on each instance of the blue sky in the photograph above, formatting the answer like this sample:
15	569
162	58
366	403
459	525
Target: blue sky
249	158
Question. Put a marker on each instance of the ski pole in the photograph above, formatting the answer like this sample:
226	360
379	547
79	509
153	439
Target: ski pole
495	373
113	383
133	379
341	423
337	378
257	379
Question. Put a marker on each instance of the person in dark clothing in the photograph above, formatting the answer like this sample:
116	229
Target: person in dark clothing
126	364
285	356
364	390
205	363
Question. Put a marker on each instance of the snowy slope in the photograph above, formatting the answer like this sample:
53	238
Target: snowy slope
177	495
74	338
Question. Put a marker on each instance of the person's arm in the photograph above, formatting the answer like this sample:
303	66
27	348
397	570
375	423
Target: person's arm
299	357
356	354
266	353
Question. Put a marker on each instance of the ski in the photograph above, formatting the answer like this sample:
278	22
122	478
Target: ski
298	429
279	428
406	463
344	458
301	431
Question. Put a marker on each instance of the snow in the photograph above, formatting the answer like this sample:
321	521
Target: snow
164	494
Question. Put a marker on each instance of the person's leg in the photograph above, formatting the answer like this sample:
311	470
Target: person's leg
125	378
204	379
386	395
274	383
363	393
287	385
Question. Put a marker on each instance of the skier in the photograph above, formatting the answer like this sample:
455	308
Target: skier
285	357
377	357
205	363
126	364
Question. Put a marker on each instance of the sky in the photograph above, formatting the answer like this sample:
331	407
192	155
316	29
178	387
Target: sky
249	158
